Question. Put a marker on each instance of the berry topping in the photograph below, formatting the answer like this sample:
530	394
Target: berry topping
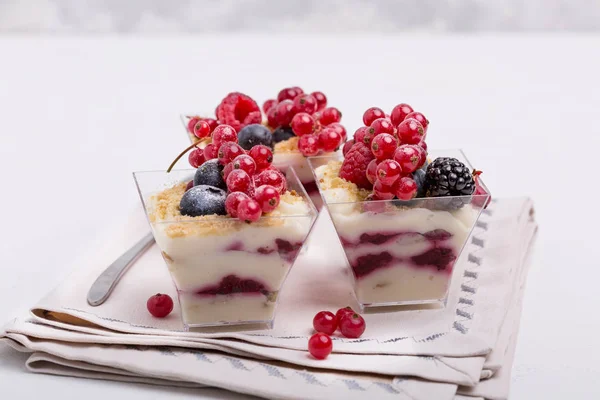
249	210
227	170
343	311
234	284
330	115
189	185
284	113
388	171
262	155
383	146
238	110
320	345
308	145
267	197
408	157
410	131
329	140
273	178
212	123
289	93
272	116
228	151
407	188
422	154
245	163
191	123
480	191
233	201
372	170
160	305
268	104
203	200
305	103
399	113
339	128
355	164
282	133
352	325
202	129
321	100
347	147
382	191
222	134
381	125
239	181
303	124
325	322
211	151
372	114
253	135
423	145
196	157
419	178
419	117
209	174
448	177
359	135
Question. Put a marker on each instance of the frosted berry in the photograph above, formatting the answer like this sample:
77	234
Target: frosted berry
288	93
320	345
359	134
227	170
239	181
372	114
382	191
419	117
408	158
272	117
201	129
423	144
211	151
305	103
212	123
268	104
422	155
406	188
223	134
308	145
399	113
354	166
478	195
325	322
228	151
372	170
267	197
329	140
196	157
160	305
249	210
285	113
381	125
321	100
245	163
191	123
352	325
347	146
273	178
383	146
330	115
339	128
232	202
388	171
410	131
303	124
262	155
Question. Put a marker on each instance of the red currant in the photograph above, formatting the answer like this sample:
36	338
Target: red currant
320	345
201	129
285	113
388	171
196	158
303	124
288	93
262	155
267	197
330	115
408	158
305	103
347	146
227	170
249	210
372	114
352	325
407	188
410	131
321	100
329	140
272	117
191	123
478	196
211	151
372	170
422	154
399	113
222	134
359	134
213	123
383	146
339	128
423	145
308	145
419	117
368	137
325	322
383	192
160	305
245	163
273	178
189	185
268	104
381	125
239	181
343	311
232	202
228	151
298	89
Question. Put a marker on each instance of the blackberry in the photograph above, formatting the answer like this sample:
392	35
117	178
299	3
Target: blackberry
449	177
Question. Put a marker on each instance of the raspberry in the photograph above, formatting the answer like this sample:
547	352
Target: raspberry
354	167
238	110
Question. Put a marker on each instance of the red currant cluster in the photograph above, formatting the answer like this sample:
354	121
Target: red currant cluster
311	120
398	149
350	324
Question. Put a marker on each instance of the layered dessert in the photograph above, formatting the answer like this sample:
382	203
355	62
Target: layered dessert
229	232
402	217
294	126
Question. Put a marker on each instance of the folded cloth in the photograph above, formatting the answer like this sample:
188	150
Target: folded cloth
447	345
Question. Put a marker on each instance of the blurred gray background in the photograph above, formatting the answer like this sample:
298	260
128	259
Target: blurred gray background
304	16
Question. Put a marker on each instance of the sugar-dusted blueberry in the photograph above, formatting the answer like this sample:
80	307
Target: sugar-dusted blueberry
254	134
203	200
282	133
209	174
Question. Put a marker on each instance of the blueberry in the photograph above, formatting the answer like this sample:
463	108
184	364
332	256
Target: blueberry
203	200
419	177
210	173
424	167
282	133
254	134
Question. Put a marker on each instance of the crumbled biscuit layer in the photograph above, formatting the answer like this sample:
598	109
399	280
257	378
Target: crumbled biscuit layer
287	146
331	180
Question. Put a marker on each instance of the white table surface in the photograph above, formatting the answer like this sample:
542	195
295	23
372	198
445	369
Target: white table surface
78	115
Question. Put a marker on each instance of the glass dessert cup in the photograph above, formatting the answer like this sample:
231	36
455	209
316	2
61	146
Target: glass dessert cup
226	271
399	252
285	155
